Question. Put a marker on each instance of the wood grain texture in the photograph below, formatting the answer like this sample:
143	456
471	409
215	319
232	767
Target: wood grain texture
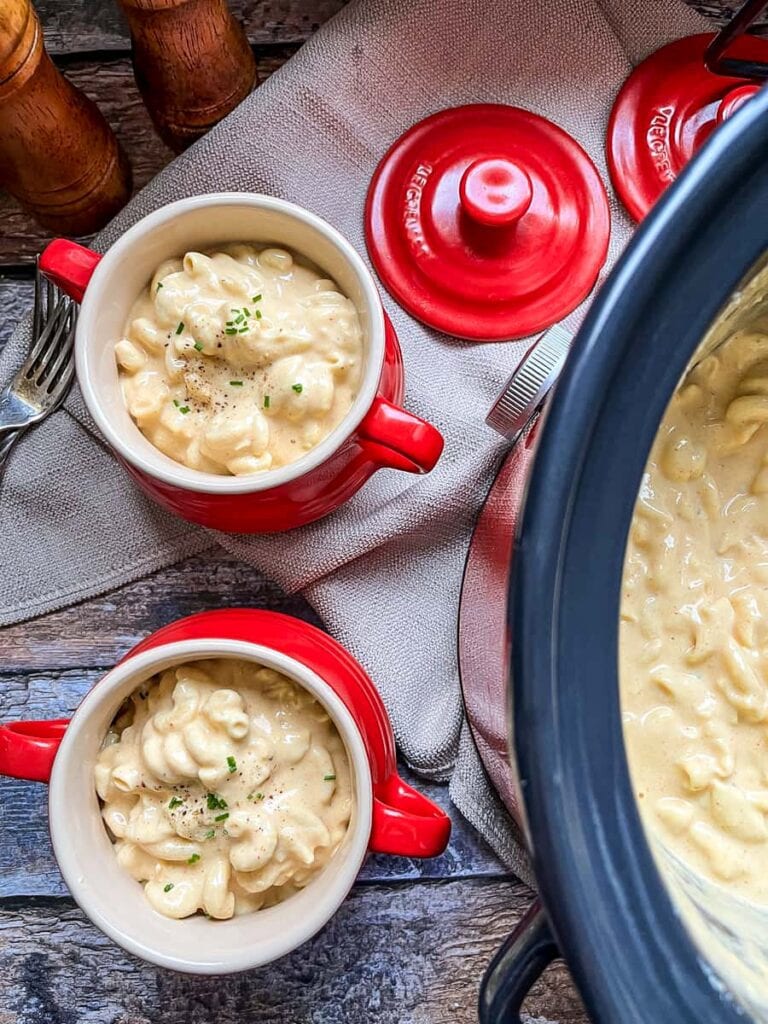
58	156
193	64
391	955
72	26
111	84
720	10
96	633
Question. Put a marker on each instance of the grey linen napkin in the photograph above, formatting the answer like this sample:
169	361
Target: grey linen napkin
384	572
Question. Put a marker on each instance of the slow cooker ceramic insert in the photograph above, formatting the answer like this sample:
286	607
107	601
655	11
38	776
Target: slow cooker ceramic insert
647	939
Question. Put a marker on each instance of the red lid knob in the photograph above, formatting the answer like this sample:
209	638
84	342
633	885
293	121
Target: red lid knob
496	192
734	99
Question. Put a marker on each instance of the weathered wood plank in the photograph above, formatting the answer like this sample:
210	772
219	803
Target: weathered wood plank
72	26
110	83
721	10
96	633
390	956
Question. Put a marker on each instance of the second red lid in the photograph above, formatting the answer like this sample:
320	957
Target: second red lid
666	110
487	222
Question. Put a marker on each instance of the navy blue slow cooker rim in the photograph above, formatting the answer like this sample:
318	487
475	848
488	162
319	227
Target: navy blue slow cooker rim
613	920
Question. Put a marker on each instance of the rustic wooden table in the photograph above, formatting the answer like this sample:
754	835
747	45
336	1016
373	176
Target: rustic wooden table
411	942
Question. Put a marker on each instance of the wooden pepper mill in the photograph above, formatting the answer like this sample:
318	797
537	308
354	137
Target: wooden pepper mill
58	156
192	62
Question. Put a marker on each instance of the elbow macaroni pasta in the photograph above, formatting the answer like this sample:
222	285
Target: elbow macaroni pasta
239	361
225	788
694	622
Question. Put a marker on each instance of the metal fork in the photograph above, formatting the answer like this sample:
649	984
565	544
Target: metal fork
42	383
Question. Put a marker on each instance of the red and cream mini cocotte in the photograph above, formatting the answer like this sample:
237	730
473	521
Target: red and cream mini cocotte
375	811
367	431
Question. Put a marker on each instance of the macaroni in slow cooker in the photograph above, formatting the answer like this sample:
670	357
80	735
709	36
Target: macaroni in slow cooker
239	361
225	787
694	623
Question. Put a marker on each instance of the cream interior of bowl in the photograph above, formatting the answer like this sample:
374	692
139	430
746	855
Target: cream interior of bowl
730	932
115	902
203	223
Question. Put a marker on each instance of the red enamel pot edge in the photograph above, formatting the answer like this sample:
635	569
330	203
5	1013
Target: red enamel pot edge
404	821
377	433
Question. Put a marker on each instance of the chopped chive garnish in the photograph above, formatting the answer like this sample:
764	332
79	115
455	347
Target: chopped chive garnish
222	817
246	311
258	314
256	298
266	401
210	833
199	346
329	778
168	887
259	796
231	764
236	383
216	803
239	319
298	388
194	858
180	328
184	410
159	285
177	403
243	330
230	323
175	802
231	330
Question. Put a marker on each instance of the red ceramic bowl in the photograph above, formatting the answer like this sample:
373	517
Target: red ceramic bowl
389	816
375	434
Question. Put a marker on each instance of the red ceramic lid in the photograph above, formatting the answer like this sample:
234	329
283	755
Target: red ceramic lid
487	222
666	109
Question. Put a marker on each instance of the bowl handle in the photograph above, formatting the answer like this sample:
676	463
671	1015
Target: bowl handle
398	439
406	823
27	749
69	266
510	975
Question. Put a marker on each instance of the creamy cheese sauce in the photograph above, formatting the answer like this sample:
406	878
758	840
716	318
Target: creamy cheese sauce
225	787
694	623
239	361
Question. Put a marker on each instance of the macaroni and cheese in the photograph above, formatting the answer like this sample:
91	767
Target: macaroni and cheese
694	624
239	361
225	787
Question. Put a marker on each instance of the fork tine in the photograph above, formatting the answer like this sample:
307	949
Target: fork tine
62	385
48	337
38	308
63	355
52	296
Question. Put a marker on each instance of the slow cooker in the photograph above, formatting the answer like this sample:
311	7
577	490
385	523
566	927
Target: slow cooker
641	948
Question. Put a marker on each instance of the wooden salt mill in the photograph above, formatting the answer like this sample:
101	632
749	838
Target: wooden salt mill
58	156
192	62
